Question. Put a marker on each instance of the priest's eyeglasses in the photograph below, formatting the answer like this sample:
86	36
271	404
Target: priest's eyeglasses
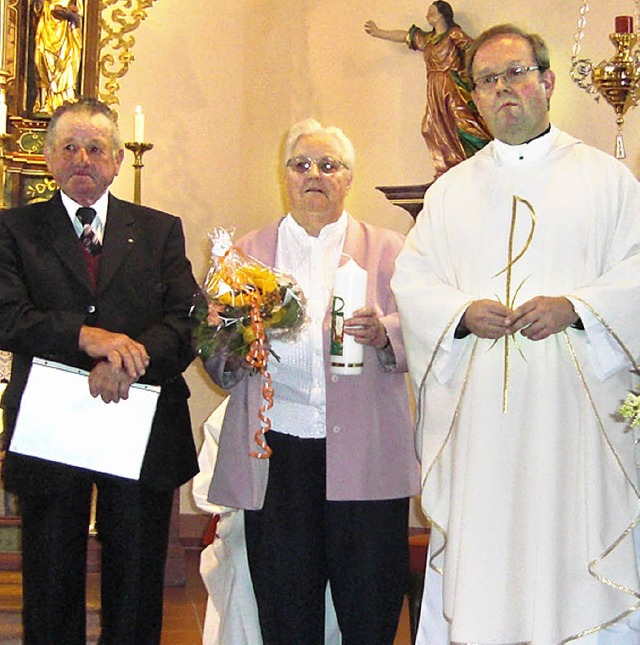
512	76
325	165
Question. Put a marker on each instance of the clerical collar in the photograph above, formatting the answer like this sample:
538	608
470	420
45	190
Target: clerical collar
524	143
508	155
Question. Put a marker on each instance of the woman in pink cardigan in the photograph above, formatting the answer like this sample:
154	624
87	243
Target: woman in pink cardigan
331	503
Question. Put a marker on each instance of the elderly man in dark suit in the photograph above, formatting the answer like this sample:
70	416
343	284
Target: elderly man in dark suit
112	296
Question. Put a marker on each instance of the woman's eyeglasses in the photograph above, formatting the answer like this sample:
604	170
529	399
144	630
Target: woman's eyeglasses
325	165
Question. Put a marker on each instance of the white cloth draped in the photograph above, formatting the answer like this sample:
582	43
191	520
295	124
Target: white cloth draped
532	508
232	615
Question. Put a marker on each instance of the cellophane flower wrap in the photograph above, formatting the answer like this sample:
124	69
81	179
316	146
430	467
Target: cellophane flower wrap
243	304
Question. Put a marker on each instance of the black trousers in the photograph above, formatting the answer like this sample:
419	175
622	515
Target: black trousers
133	528
299	541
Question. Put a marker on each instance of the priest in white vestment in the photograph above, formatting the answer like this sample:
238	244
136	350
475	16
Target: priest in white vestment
519	296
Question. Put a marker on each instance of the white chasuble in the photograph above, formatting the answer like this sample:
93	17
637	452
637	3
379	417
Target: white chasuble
528	473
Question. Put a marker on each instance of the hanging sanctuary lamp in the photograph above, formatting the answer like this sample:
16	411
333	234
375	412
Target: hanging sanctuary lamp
617	79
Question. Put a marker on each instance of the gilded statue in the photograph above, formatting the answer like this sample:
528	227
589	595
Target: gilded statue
58	52
452	128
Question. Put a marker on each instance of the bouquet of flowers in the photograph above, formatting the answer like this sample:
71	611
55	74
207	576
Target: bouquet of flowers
241	304
236	289
630	409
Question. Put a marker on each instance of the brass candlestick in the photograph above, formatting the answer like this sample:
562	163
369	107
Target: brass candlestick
138	148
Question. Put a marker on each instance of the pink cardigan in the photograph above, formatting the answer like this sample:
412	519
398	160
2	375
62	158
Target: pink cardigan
370	442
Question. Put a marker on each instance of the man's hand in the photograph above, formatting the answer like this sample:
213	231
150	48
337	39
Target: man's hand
109	383
122	352
486	319
542	316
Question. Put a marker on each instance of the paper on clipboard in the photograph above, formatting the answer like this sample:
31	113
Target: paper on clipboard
60	421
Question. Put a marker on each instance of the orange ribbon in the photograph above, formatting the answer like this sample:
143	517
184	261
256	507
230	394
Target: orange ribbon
258	356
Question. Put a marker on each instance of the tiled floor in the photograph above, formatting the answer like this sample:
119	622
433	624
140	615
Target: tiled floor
184	610
184	607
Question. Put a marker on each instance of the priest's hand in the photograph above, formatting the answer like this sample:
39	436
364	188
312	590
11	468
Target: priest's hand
109	383
542	316
485	319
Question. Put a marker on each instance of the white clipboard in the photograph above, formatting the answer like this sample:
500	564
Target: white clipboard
60	421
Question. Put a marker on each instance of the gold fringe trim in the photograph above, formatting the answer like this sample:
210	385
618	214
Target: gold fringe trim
625	534
615	336
432	361
596	413
420	405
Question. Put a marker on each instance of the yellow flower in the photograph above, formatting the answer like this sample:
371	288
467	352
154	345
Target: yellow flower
247	334
234	299
274	318
257	276
630	409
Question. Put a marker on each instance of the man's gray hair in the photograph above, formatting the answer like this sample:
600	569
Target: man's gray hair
91	107
311	126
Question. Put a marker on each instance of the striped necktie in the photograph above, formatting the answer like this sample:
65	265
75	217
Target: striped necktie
88	236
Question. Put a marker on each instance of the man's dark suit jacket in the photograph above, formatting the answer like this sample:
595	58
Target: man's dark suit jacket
145	288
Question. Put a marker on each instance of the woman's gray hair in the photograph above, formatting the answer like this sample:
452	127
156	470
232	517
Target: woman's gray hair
311	126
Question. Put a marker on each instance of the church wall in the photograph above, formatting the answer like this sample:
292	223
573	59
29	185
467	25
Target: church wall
220	82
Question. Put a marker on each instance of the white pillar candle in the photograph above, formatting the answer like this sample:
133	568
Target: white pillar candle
349	294
138	125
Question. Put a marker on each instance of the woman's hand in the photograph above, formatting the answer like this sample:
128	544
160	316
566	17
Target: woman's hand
366	328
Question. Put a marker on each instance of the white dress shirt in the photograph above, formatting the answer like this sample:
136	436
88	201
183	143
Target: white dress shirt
100	219
299	378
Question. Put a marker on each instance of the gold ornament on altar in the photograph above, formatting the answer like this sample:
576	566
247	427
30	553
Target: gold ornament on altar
617	79
58	53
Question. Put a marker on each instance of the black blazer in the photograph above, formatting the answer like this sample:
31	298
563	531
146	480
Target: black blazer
145	288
